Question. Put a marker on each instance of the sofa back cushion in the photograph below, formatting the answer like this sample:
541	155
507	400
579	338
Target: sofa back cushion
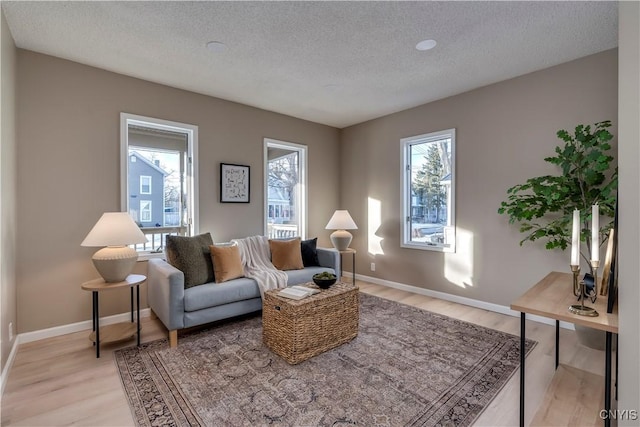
191	256
286	254
227	264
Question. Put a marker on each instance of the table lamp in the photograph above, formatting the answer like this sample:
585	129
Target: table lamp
115	230
341	221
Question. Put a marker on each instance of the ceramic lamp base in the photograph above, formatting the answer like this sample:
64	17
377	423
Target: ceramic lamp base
341	239
115	263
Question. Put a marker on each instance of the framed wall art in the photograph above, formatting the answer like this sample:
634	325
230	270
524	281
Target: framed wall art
234	183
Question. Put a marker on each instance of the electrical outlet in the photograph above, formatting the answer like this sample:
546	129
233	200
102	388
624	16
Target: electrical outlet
10	331
373	266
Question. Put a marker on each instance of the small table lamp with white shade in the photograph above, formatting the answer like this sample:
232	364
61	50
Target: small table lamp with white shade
115	230
341	221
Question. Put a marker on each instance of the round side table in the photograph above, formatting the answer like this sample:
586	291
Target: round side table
118	331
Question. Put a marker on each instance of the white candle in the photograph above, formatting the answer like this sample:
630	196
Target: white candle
595	233
575	238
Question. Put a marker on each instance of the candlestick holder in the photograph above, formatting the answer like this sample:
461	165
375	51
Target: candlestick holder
575	269
581	309
594	267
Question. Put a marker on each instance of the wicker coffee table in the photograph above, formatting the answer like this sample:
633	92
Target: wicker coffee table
297	330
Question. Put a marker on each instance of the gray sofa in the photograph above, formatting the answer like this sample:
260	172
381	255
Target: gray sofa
180	308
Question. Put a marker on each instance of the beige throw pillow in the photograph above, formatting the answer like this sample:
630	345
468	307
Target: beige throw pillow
286	254
226	261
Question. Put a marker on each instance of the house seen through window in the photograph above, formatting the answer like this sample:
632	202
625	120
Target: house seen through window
285	192
158	178
428	196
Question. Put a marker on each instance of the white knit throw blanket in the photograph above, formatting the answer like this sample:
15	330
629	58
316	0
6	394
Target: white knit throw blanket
256	261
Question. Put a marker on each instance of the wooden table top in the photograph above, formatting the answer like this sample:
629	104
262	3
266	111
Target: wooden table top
552	296
101	285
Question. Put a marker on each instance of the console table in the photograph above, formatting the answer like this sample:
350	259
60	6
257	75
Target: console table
118	331
551	297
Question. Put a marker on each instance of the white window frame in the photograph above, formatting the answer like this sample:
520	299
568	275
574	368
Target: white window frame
303	196
142	179
191	131
405	190
149	210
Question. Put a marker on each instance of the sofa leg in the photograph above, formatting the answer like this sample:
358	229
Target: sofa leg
173	338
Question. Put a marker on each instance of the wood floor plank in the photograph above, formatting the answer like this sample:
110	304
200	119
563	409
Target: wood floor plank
58	381
570	398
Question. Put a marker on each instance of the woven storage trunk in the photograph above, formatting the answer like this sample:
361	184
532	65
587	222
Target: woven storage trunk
297	330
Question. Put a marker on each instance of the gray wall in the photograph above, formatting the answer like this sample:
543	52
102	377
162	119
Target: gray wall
503	133
629	216
8	216
68	131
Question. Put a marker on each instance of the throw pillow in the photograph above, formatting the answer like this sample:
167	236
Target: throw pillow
310	252
227	263
191	256
286	254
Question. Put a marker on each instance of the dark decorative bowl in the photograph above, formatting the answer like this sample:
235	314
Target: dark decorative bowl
324	283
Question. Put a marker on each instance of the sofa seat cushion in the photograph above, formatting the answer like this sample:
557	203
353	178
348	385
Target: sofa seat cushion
214	294
296	277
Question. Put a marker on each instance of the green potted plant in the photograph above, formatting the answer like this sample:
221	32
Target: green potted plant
543	206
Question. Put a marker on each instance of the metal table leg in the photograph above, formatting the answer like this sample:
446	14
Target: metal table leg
96	314
617	352
93	313
138	310
522	352
607	379
353	279
557	343
132	305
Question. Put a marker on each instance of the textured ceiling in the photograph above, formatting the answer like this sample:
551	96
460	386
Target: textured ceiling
337	63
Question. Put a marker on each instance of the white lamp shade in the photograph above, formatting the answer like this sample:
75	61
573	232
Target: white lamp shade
114	229
341	220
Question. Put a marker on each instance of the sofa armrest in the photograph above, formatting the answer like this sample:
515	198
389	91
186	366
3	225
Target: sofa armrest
329	257
165	288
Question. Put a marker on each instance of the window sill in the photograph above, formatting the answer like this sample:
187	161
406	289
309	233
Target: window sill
427	247
145	256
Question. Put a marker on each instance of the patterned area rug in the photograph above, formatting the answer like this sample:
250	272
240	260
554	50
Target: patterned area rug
407	366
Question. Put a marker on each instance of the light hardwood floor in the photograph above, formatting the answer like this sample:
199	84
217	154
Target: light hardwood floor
59	381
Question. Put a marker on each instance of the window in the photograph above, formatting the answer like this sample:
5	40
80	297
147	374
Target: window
428	191
161	153
285	201
145	184
145	211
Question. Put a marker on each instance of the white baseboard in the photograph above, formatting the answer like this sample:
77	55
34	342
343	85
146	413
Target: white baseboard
7	367
458	299
76	327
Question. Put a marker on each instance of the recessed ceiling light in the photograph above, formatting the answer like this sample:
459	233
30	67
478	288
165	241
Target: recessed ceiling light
217	47
426	44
